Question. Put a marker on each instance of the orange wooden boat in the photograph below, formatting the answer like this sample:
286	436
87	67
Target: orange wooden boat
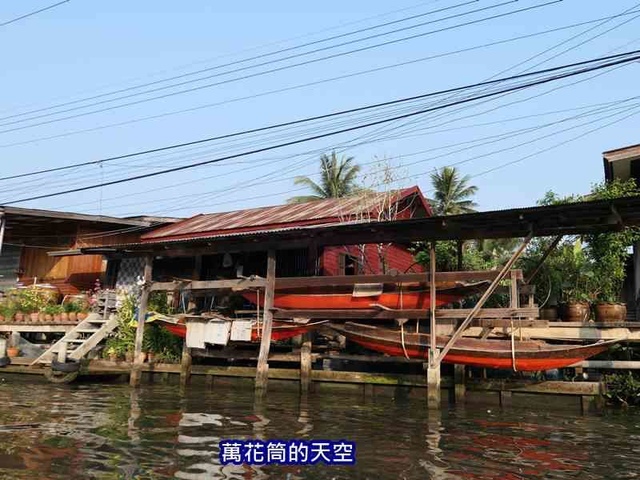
279	331
529	355
392	296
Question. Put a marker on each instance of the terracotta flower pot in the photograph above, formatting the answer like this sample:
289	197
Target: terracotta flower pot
18	317
73	317
42	317
57	318
82	315
34	316
611	312
128	357
113	357
549	313
13	352
48	317
2	319
575	312
64	317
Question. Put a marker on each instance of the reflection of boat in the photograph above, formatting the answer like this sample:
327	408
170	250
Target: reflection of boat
279	331
529	355
362	296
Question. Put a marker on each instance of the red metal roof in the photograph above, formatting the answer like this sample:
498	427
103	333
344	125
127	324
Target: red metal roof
321	212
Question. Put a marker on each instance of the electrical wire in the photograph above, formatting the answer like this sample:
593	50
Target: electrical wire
604	63
31	14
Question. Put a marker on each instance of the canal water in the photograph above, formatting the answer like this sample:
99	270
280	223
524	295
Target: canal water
108	431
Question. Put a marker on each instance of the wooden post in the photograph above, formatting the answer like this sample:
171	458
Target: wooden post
305	364
460	379
136	371
62	352
506	398
262	370
185	365
471	315
513	291
433	370
3	348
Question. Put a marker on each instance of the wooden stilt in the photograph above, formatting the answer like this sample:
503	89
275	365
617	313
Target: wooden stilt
134	380
433	370
459	383
262	370
185	366
209	381
62	352
305	364
506	398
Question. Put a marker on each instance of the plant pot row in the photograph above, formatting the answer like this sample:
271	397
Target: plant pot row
44	318
581	312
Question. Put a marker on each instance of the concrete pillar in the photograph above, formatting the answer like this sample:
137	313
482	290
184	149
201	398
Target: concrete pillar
433	387
305	364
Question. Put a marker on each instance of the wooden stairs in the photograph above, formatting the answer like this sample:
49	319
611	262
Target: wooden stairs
85	336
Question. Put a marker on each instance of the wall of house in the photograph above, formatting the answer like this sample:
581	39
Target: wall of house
396	257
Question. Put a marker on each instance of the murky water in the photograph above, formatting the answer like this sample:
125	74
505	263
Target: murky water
108	431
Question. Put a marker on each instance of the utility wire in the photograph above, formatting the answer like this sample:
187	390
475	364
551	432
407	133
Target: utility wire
257	74
613	60
309	84
31	14
617	59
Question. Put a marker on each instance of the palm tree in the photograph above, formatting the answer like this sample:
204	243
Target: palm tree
337	179
452	193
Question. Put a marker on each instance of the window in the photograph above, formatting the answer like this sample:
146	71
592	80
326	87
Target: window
348	264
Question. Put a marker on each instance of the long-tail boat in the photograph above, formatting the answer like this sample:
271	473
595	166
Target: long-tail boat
280	330
363	296
527	355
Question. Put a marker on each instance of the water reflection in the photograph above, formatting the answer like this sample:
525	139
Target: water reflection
110	431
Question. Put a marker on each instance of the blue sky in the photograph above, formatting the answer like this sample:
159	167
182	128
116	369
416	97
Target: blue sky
86	48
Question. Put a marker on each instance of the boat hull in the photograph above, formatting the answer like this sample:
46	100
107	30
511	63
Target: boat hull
396	300
279	331
525	356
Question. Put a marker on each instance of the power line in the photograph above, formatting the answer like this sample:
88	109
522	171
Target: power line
265	72
615	60
238	62
31	14
333	114
313	83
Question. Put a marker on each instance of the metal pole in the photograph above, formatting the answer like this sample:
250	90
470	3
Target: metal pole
483	299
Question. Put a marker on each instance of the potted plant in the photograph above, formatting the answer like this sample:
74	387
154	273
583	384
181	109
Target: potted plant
13	352
609	254
52	313
111	354
72	309
575	271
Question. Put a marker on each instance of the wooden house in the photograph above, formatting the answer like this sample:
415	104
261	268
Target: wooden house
43	246
329	260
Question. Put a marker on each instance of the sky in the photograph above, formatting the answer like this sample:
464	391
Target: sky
62	66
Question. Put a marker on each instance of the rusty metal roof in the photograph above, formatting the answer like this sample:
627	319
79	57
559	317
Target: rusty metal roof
276	218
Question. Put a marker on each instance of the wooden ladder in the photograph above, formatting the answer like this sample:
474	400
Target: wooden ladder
85	336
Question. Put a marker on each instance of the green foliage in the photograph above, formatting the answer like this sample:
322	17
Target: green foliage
452	192
7	310
337	179
609	252
53	309
158	303
623	388
28	300
164	344
73	307
122	340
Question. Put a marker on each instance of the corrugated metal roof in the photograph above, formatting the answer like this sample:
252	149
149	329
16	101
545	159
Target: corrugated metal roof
254	220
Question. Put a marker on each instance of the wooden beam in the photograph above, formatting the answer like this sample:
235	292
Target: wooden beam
337	280
134	380
485	296
262	370
186	362
547	252
375	314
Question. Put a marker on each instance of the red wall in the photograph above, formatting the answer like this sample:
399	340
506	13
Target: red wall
396	257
